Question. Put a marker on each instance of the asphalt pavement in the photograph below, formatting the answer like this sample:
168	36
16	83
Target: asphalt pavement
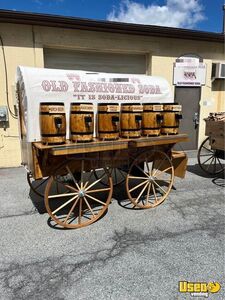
127	254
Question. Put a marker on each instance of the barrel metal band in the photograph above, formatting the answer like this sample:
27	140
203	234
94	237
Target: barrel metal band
81	112
83	141
53	134
144	128
110	139
81	133
115	131
130	129
107	112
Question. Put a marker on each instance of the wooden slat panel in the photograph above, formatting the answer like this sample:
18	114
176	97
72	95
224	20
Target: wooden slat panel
214	128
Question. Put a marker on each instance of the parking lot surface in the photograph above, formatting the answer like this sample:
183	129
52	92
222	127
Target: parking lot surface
127	254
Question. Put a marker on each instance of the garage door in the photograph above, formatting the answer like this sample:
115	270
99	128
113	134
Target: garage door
95	61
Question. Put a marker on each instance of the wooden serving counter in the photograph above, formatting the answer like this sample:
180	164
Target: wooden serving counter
70	148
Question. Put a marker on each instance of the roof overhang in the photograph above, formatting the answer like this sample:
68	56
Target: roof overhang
17	17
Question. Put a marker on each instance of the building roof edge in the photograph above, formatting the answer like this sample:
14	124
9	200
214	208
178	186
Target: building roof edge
19	17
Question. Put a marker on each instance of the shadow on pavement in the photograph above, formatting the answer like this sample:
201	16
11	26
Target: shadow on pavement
120	194
51	223
38	202
220	180
195	169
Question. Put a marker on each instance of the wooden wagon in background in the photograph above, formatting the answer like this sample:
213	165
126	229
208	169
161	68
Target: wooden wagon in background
211	153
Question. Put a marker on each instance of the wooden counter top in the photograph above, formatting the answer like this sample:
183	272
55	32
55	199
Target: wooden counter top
97	146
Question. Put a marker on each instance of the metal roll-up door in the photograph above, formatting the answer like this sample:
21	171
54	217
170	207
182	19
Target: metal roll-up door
95	61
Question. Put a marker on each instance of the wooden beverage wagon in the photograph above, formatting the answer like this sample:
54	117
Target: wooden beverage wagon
78	168
211	153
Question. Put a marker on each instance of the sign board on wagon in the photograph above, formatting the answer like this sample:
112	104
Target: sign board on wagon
38	85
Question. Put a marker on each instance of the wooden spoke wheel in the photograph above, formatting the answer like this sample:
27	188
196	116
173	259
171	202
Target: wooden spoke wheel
37	186
79	199
151	185
211	161
118	176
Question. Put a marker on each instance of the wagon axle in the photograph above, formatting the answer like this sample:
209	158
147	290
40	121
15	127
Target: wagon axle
81	193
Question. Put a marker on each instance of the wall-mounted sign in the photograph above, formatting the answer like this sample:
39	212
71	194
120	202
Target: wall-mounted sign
189	71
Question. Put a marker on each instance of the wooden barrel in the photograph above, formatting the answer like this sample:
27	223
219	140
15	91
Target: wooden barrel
131	117
81	122
108	121
151	119
52	123
171	118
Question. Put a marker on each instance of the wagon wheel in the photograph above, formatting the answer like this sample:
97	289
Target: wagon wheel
152	184
118	175
80	200
37	185
211	161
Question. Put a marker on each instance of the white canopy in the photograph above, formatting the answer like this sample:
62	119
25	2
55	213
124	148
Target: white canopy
49	85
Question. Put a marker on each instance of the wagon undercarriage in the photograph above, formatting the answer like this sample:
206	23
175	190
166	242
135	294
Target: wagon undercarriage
77	180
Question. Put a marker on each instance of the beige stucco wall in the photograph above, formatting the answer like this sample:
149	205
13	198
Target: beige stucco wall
19	50
24	44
